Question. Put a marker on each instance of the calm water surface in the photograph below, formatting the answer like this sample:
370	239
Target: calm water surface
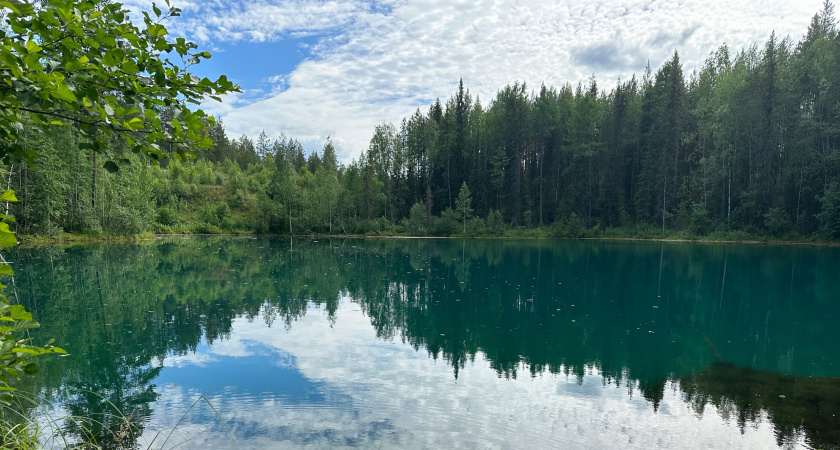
418	343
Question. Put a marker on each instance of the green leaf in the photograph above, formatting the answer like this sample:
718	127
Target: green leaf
62	92
8	196
7	238
111	166
30	369
130	67
6	269
32	46
18	312
24	9
135	122
27	350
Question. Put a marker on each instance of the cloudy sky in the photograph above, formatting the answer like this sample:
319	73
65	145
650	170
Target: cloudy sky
312	68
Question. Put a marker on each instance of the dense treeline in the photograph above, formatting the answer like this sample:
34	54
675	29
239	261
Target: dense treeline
750	143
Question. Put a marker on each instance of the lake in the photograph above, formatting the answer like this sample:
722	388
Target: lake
425	343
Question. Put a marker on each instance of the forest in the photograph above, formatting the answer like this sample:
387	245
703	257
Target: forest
748	145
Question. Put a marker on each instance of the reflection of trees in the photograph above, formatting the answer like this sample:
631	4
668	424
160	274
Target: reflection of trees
796	406
112	409
120	310
639	313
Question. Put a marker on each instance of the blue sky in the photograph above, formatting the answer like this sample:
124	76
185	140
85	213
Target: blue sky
312	68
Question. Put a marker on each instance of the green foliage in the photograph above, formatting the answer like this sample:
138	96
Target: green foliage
573	227
777	222
829	217
731	150
87	64
180	189
495	222
700	222
463	204
416	222
447	223
166	216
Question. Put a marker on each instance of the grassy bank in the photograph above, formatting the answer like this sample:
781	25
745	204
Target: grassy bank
545	232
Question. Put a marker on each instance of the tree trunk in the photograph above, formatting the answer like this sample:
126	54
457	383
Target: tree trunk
9	184
93	194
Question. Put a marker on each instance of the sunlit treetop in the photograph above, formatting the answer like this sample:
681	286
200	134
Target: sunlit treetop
85	64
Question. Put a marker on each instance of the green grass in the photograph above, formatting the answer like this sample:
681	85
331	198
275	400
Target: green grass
19	431
85	237
235	227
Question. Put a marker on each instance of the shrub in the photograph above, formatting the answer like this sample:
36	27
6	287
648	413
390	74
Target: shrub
447	224
237	199
180	189
206	228
495	222
701	224
166	216
416	222
777	222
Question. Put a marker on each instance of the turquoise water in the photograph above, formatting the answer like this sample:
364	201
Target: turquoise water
421	343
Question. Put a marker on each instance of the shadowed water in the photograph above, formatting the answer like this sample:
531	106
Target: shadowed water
419	343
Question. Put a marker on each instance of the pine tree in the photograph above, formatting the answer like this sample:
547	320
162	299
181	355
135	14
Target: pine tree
463	204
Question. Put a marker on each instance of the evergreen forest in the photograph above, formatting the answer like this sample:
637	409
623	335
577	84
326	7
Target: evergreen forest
746	146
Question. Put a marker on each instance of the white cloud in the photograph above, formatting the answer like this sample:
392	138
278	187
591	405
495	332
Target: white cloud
230	102
378	61
264	20
383	394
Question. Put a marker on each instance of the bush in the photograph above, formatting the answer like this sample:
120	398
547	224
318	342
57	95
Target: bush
380	225
236	182
573	227
495	222
206	228
205	174
829	216
166	216
237	199
217	215
701	224
777	222
416	222
176	170
223	211
447	224
124	221
476	226
180	189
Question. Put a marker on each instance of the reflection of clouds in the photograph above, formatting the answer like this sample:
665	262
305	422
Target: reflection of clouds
190	359
384	394
231	347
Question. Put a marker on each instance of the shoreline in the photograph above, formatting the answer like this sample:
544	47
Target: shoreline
85	239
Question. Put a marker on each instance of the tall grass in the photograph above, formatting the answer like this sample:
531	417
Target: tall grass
22	431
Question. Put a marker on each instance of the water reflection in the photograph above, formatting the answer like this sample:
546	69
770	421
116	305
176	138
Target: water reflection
651	319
